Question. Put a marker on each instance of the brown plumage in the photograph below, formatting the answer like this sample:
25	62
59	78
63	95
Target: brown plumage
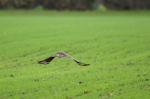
61	55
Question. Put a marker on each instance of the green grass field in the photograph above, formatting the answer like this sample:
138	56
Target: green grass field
116	44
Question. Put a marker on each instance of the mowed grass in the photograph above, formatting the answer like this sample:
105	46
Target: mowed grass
116	44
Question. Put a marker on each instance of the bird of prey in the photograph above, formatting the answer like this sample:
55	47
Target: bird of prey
61	54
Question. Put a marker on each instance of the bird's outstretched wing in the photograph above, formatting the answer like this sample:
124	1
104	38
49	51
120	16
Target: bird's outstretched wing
80	63
47	60
75	60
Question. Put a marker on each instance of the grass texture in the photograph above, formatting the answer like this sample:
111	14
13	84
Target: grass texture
116	44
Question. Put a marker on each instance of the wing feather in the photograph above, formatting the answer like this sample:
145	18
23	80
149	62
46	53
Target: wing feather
47	60
80	63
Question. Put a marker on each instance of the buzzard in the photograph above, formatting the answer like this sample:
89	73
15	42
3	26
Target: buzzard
61	54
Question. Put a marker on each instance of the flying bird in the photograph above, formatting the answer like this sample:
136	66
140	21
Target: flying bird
61	54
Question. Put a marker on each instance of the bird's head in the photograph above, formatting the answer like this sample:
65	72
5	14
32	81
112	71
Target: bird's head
61	54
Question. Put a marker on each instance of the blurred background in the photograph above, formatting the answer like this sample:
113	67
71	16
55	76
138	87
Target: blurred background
76	4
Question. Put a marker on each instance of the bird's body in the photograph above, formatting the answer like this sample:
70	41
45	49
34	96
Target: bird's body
61	54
